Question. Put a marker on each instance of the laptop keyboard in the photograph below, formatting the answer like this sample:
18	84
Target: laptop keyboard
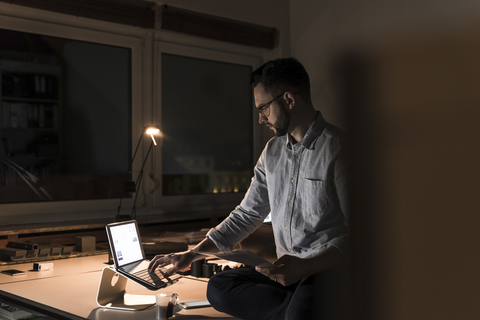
153	277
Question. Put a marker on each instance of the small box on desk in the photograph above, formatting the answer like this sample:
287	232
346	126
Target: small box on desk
12	254
32	248
44	251
49	250
85	244
66	250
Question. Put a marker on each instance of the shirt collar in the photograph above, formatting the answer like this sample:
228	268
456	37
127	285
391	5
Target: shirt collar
312	134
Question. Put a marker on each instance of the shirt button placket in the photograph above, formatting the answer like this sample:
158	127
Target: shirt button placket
290	199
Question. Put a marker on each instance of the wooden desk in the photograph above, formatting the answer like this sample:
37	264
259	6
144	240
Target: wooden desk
69	291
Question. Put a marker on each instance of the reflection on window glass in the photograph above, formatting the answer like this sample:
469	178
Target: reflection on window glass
64	119
207	126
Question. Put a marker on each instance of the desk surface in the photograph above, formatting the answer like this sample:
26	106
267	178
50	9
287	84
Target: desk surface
69	291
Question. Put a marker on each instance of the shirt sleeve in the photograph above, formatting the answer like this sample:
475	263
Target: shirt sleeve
246	217
341	184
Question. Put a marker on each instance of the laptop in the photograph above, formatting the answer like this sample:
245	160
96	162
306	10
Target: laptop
129	258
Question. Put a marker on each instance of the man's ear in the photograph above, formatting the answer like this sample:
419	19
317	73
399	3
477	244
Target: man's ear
289	99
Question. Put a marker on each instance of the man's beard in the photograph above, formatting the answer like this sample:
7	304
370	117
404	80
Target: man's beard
282	123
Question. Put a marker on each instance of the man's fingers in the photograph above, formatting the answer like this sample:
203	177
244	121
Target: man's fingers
176	261
157	261
274	273
151	265
169	272
266	271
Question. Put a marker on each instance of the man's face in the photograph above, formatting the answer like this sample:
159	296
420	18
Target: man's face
277	117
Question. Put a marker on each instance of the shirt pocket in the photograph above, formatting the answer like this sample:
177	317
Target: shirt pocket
314	198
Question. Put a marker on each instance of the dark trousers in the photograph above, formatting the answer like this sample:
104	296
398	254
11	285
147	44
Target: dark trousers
247	294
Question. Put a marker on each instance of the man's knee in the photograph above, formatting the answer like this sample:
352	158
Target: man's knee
218	289
223	288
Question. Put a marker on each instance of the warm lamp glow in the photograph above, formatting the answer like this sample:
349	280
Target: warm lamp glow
151	131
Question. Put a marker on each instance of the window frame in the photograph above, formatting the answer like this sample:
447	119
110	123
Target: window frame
202	202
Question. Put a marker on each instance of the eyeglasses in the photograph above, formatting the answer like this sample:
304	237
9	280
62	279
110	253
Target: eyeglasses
264	109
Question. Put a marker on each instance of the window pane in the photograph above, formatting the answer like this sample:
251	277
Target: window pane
207	120
65	119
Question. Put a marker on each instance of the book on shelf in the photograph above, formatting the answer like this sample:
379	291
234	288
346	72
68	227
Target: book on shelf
29	85
28	115
5	115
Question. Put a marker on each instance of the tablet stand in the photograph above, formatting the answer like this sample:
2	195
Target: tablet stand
111	293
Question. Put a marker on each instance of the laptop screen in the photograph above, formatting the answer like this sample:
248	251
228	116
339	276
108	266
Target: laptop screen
125	242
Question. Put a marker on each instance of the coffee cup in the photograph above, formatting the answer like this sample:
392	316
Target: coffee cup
165	305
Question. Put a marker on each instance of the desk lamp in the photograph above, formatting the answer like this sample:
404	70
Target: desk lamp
131	186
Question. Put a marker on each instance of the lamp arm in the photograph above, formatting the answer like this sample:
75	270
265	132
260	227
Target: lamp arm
133	215
136	149
139	178
130	170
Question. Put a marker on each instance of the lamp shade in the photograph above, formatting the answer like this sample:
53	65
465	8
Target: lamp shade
151	131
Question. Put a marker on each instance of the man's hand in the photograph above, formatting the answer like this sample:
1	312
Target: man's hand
287	270
182	260
290	269
179	261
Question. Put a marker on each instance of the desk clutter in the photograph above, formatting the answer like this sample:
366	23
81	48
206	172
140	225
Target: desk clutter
25	251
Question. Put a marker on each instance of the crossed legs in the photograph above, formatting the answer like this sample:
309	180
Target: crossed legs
247	294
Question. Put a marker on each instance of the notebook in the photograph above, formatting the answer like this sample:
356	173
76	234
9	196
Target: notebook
129	258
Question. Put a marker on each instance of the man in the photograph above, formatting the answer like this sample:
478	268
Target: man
300	178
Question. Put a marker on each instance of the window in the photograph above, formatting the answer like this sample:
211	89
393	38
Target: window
203	104
207	126
65	117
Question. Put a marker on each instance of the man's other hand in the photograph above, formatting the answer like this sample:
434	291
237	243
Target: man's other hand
287	270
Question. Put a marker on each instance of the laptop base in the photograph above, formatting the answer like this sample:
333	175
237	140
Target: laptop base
111	293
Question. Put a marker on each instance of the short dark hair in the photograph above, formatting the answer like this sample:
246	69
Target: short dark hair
281	74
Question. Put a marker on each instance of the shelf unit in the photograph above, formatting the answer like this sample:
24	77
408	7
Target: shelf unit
30	112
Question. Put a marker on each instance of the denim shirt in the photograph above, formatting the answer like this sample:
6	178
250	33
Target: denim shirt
303	186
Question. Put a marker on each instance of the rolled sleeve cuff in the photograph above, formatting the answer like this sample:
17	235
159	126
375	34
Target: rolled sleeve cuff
214	235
